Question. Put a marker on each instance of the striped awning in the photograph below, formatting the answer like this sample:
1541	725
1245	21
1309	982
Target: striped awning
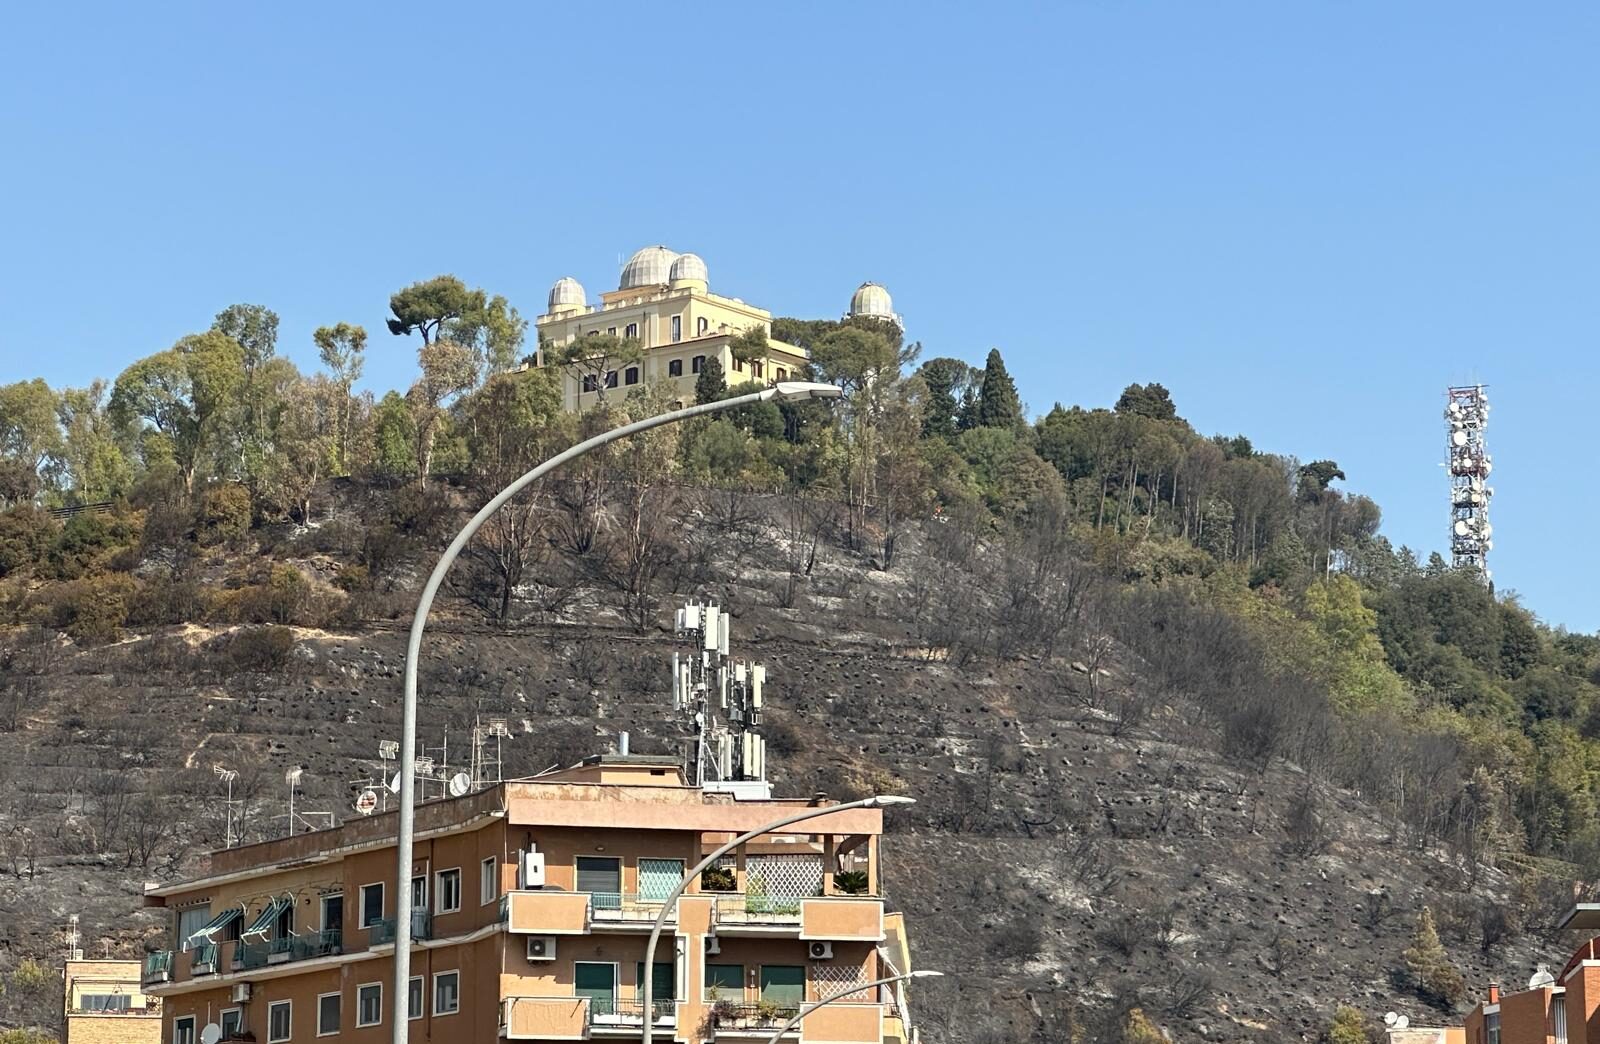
217	923
269	914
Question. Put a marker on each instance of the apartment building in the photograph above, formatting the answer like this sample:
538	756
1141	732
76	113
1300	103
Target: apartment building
104	1003
533	902
1560	1008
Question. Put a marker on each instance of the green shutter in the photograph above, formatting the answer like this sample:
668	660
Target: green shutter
783	985
727	980
664	986
598	982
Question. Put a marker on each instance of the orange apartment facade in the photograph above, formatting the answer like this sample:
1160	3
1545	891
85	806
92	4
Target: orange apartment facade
1555	1009
534	900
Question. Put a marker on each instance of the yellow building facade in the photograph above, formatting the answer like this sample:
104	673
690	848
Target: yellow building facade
105	1004
534	900
664	304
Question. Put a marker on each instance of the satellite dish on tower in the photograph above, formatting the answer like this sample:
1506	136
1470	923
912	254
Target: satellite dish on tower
460	783
211	1034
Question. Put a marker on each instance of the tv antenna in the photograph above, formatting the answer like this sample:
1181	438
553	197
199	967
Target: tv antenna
721	698
229	806
74	949
292	776
486	765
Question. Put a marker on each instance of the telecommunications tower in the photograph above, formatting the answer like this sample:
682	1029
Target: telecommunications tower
721	698
1466	411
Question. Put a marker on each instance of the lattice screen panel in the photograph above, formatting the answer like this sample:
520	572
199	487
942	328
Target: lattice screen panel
787	876
828	979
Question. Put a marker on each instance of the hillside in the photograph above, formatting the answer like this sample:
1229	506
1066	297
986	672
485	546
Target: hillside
1085	841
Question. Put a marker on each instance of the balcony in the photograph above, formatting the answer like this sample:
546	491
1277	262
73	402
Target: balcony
839	918
306	946
736	1019
157	968
381	931
203	960
627	1013
613	909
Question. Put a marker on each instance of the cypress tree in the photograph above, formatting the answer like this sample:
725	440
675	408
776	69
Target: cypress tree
709	386
999	406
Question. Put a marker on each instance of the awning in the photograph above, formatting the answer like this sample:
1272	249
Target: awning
217	923
269	914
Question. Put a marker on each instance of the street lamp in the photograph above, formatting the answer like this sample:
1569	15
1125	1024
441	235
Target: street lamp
824	1002
876	801
784	391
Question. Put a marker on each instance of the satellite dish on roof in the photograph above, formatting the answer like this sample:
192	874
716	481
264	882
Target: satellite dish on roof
460	783
211	1034
1402	1022
1390	1018
367	801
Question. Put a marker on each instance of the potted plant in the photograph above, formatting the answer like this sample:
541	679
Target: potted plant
851	882
718	879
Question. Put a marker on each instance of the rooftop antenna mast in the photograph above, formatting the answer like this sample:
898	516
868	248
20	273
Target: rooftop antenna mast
230	836
721	699
486	764
74	946
1466	412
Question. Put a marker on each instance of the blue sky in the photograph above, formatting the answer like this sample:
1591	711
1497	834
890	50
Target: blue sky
1306	219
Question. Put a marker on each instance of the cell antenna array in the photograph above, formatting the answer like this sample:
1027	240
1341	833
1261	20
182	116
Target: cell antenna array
1466	412
722	700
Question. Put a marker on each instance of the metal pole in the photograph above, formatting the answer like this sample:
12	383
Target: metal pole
405	842
804	1011
876	801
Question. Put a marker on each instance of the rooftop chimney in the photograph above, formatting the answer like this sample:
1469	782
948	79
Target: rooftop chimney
1494	993
622	744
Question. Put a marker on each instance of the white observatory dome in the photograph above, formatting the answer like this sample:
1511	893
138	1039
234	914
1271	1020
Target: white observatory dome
1541	978
688	268
567	294
873	301
648	267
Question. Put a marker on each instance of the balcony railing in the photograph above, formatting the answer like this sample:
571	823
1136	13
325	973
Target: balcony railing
157	967
726	1015
613	1011
305	946
203	959
382	930
615	906
756	908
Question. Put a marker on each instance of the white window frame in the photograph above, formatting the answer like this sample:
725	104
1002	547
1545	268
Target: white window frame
488	881
322	997
422	998
181	1023
272	1007
369	986
454	973
438	890
419	902
322	910
361	910
222	1019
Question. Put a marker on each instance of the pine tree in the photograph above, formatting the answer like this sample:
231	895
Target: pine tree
1347	1027
999	406
709	386
1435	978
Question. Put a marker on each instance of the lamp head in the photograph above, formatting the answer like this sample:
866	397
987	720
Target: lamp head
927	973
787	390
886	800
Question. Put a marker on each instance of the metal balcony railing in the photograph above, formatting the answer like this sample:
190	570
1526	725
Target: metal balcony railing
203	959
617	906
727	1015
382	930
629	1011
756	908
157	967
305	946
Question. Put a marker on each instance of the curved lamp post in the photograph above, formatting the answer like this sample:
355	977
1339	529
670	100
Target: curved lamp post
804	1011
399	1006
876	801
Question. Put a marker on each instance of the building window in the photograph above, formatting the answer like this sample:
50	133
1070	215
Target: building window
677	328
696	363
725	982
783	374
675	368
371	904
447	993
611	332
700	326
183	1030
369	1004
630	375
328	1005
590	383
190	921
738	364
632	330
278	1021
449	889
1492	1026
232	1023
332	913
283	927
611	378
414	998
488	881
758	369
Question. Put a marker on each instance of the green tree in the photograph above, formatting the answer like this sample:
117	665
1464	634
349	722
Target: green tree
94	465
1432	975
951	401
394	438
425	307
342	349
1347	1027
29	432
998	403
1147	400
1314	479
594	361
750	346
493	329
448	369
710	385
183	394
253	327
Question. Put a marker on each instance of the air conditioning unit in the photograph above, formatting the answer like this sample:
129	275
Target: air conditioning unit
241	992
530	870
713	948
541	947
821	951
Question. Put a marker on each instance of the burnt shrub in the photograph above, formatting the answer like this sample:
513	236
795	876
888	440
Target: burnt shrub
223	514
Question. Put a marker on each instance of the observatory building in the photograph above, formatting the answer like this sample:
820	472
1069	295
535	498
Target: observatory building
664	303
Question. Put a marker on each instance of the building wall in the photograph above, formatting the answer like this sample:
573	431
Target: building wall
142	1023
1525	1017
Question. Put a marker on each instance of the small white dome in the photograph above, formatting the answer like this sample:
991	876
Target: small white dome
1541	978
567	293
872	300
648	267
688	266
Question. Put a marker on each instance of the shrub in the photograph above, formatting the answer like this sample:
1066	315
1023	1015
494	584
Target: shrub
257	648
718	879
25	535
223	514
93	610
1347	1027
851	882
86	541
783	738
